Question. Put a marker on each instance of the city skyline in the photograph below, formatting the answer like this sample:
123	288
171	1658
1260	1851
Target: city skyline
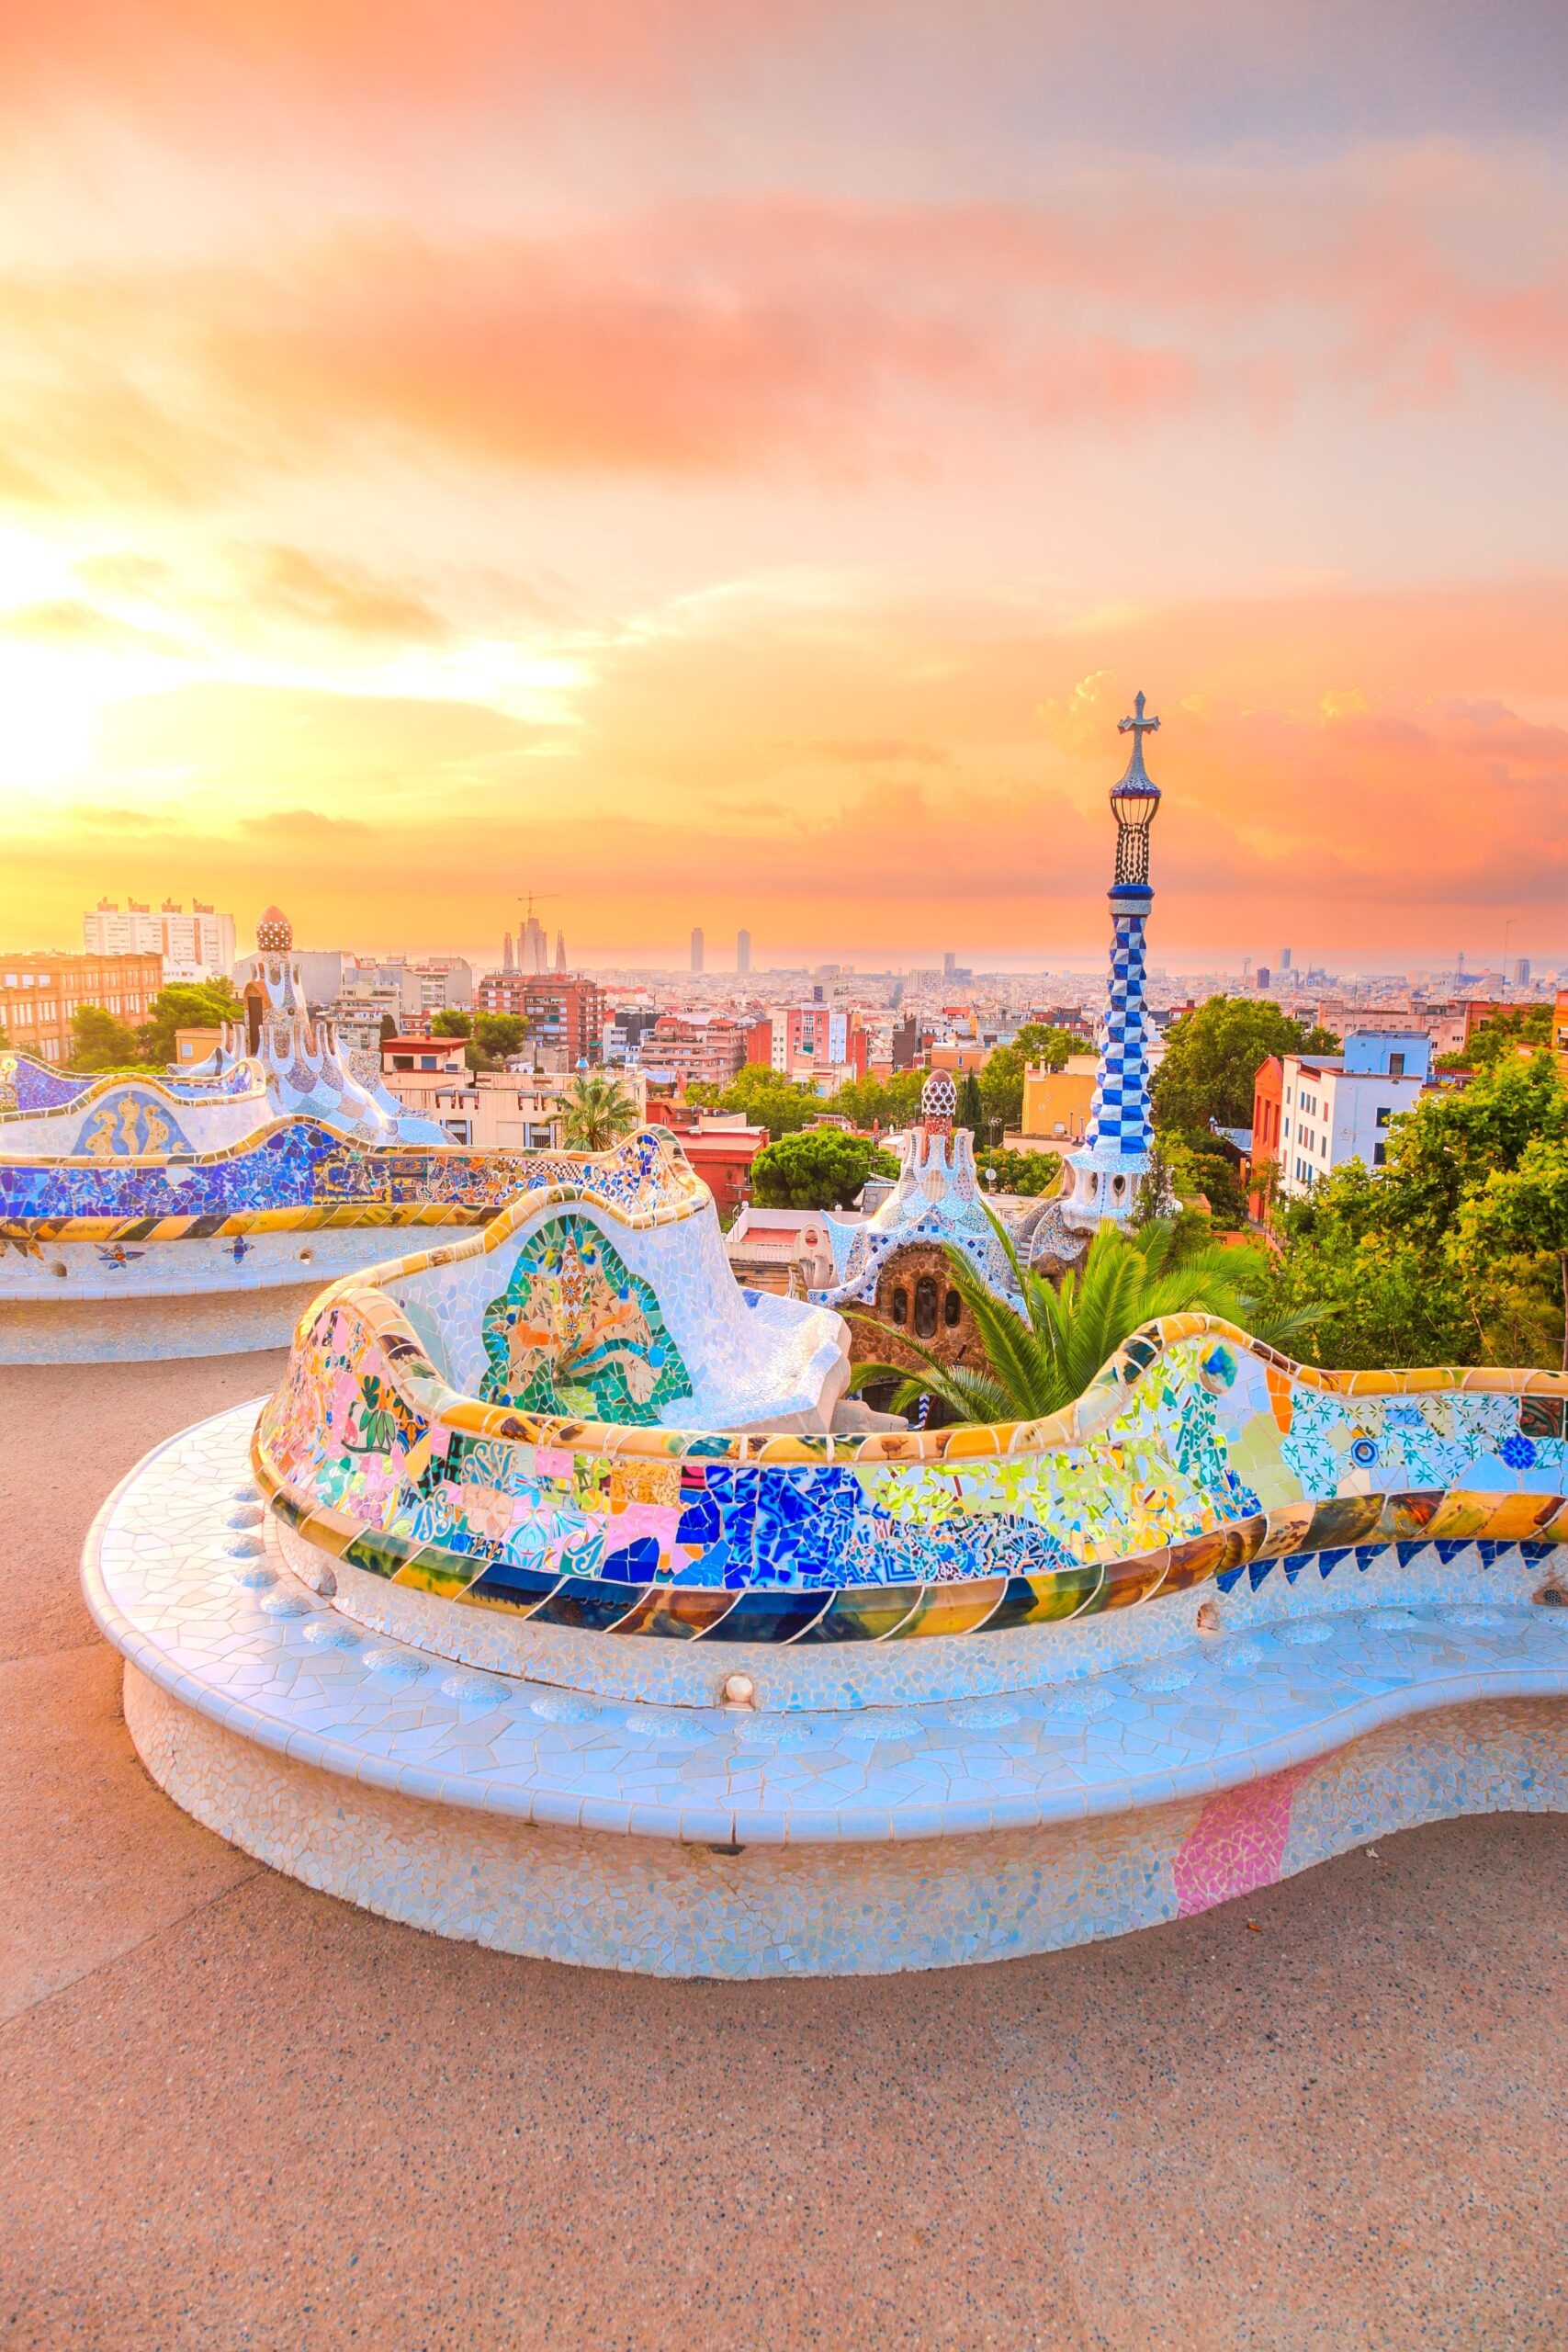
674	481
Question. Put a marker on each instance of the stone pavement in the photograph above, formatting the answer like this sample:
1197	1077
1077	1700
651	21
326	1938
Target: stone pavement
236	2113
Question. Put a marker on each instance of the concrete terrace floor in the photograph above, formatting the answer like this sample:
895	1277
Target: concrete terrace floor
236	2113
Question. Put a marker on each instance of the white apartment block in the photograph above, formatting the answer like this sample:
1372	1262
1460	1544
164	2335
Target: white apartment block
197	947
1338	1108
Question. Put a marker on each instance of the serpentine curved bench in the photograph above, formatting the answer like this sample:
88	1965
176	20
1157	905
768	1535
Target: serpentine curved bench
679	1692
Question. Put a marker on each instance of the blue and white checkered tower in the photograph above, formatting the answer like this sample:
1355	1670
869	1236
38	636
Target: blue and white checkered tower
1107	1172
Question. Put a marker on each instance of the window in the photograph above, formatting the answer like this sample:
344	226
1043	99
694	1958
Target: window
1384	1115
925	1308
1379	1154
900	1304
1397	1065
951	1307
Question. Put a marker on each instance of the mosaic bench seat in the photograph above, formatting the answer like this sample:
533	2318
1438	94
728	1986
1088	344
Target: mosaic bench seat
729	1700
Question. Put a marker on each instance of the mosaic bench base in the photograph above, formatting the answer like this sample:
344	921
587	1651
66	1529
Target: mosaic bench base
74	1304
814	1834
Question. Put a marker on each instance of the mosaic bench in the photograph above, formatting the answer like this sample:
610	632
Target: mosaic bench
698	1697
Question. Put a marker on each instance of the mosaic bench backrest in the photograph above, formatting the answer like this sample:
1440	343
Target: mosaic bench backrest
293	1172
1196	1453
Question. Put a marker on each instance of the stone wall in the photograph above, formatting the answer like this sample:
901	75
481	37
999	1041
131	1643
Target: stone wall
952	1342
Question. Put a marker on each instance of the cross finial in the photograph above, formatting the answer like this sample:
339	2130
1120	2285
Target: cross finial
1139	726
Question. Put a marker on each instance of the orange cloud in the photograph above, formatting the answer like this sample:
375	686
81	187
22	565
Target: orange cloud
1366	817
847	337
287	583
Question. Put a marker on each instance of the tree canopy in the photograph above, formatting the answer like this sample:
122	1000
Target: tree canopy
886	1103
764	1097
452	1022
1213	1055
823	1169
100	1042
1448	1254
1500	1038
1033	1173
184	1004
495	1036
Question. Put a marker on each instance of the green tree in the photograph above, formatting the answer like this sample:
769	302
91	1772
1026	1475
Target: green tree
823	1169
1043	1044
971	1110
100	1042
1387	1298
1034	1174
1213	1057
1452	1141
768	1099
597	1111
881	1102
1529	1024
495	1036
389	1028
452	1022
1037	1363
1511	1232
184	1004
1415	1268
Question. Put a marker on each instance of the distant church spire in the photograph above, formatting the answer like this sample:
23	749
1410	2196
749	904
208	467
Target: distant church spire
561	950
508	963
1109	1169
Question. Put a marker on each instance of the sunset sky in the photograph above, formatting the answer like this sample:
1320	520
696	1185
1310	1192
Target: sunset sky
735	463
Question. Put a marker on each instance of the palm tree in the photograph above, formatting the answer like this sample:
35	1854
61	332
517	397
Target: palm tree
595	1111
1040	1362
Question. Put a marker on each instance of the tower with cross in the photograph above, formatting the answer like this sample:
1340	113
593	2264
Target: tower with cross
1107	1173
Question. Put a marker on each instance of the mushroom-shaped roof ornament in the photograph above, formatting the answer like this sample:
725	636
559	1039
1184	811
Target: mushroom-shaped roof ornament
939	1103
275	932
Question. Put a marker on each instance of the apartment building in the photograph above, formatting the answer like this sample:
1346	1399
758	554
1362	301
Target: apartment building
195	947
708	1048
1314	1113
811	1040
564	1011
39	995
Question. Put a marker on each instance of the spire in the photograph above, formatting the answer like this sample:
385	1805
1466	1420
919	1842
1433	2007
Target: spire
1109	1169
1134	802
561	950
507	965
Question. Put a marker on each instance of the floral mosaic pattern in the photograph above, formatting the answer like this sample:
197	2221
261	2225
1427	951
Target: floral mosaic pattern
575	1332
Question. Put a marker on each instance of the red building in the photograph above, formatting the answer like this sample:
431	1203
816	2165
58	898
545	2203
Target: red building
720	1148
1268	1109
565	1012
707	1047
